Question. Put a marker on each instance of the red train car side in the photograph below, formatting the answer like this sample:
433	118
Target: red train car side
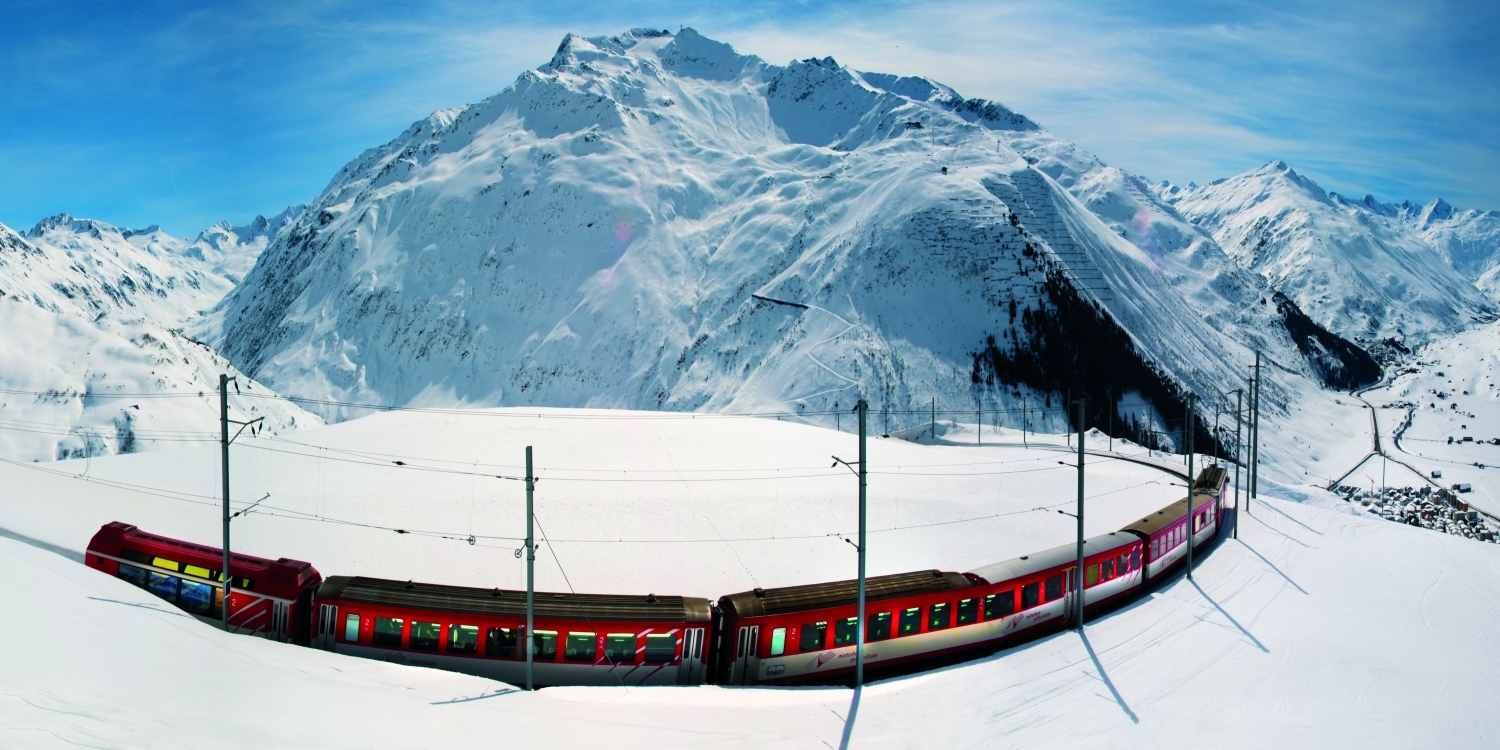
580	639
270	598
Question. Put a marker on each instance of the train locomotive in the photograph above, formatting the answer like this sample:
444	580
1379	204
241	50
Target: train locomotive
778	636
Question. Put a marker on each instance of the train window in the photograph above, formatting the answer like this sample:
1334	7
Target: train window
999	605
1029	597
162	562
133	574
544	645
163	586
813	636
388	632
845	631
938	616
463	639
879	628
619	648
1107	570
1054	587
351	628
778	641
968	611
194	570
1135	559
580	647
426	636
1090	577
1122	564
911	621
661	648
500	642
197	598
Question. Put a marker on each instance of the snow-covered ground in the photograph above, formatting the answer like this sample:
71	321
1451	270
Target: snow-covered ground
694	505
1314	629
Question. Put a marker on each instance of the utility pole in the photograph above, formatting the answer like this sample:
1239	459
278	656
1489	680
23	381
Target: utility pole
934	419
859	650
981	420
1188	428
1080	404
1025	413
530	644
1254	435
1239	395
225	576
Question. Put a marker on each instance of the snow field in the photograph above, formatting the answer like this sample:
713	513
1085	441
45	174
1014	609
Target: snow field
1314	629
635	501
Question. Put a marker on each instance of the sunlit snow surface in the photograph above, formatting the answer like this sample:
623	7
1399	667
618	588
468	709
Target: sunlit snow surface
1315	629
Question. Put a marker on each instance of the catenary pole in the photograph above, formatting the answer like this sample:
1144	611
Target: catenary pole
1080	404
859	650
1239	396
1187	428
1255	437
225	576
530	644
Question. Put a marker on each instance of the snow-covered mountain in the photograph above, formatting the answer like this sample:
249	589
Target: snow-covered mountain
1468	238
1365	270
89	312
657	221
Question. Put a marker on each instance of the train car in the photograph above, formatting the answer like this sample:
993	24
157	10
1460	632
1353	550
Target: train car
270	598
1040	588
803	633
1166	531
579	639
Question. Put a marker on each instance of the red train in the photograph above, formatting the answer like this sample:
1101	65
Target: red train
765	636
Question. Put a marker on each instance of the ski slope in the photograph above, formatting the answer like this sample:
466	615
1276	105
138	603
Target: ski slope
1285	638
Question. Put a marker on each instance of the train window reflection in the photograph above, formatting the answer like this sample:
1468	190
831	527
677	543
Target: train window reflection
388	632
544	644
500	642
778	641
351	628
197	598
813	636
426	635
1029	596
911	621
463	639
879	628
133	574
580	647
661	648
845	631
999	605
968	611
938	616
619	648
163	586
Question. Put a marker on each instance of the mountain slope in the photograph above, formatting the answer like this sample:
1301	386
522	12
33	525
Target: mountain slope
1351	266
90	312
657	221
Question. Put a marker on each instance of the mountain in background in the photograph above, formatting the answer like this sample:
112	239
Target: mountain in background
657	221
89	311
1364	270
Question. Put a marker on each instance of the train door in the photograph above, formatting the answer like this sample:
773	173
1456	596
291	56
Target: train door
690	668
1071	592
278	629
745	660
324	637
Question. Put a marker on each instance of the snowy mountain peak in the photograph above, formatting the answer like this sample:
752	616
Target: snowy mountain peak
1355	267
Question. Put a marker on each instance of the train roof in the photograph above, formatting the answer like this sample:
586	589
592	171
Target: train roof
1212	478
1156	522
841	593
506	603
1037	562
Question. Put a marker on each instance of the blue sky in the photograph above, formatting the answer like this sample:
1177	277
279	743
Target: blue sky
185	113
